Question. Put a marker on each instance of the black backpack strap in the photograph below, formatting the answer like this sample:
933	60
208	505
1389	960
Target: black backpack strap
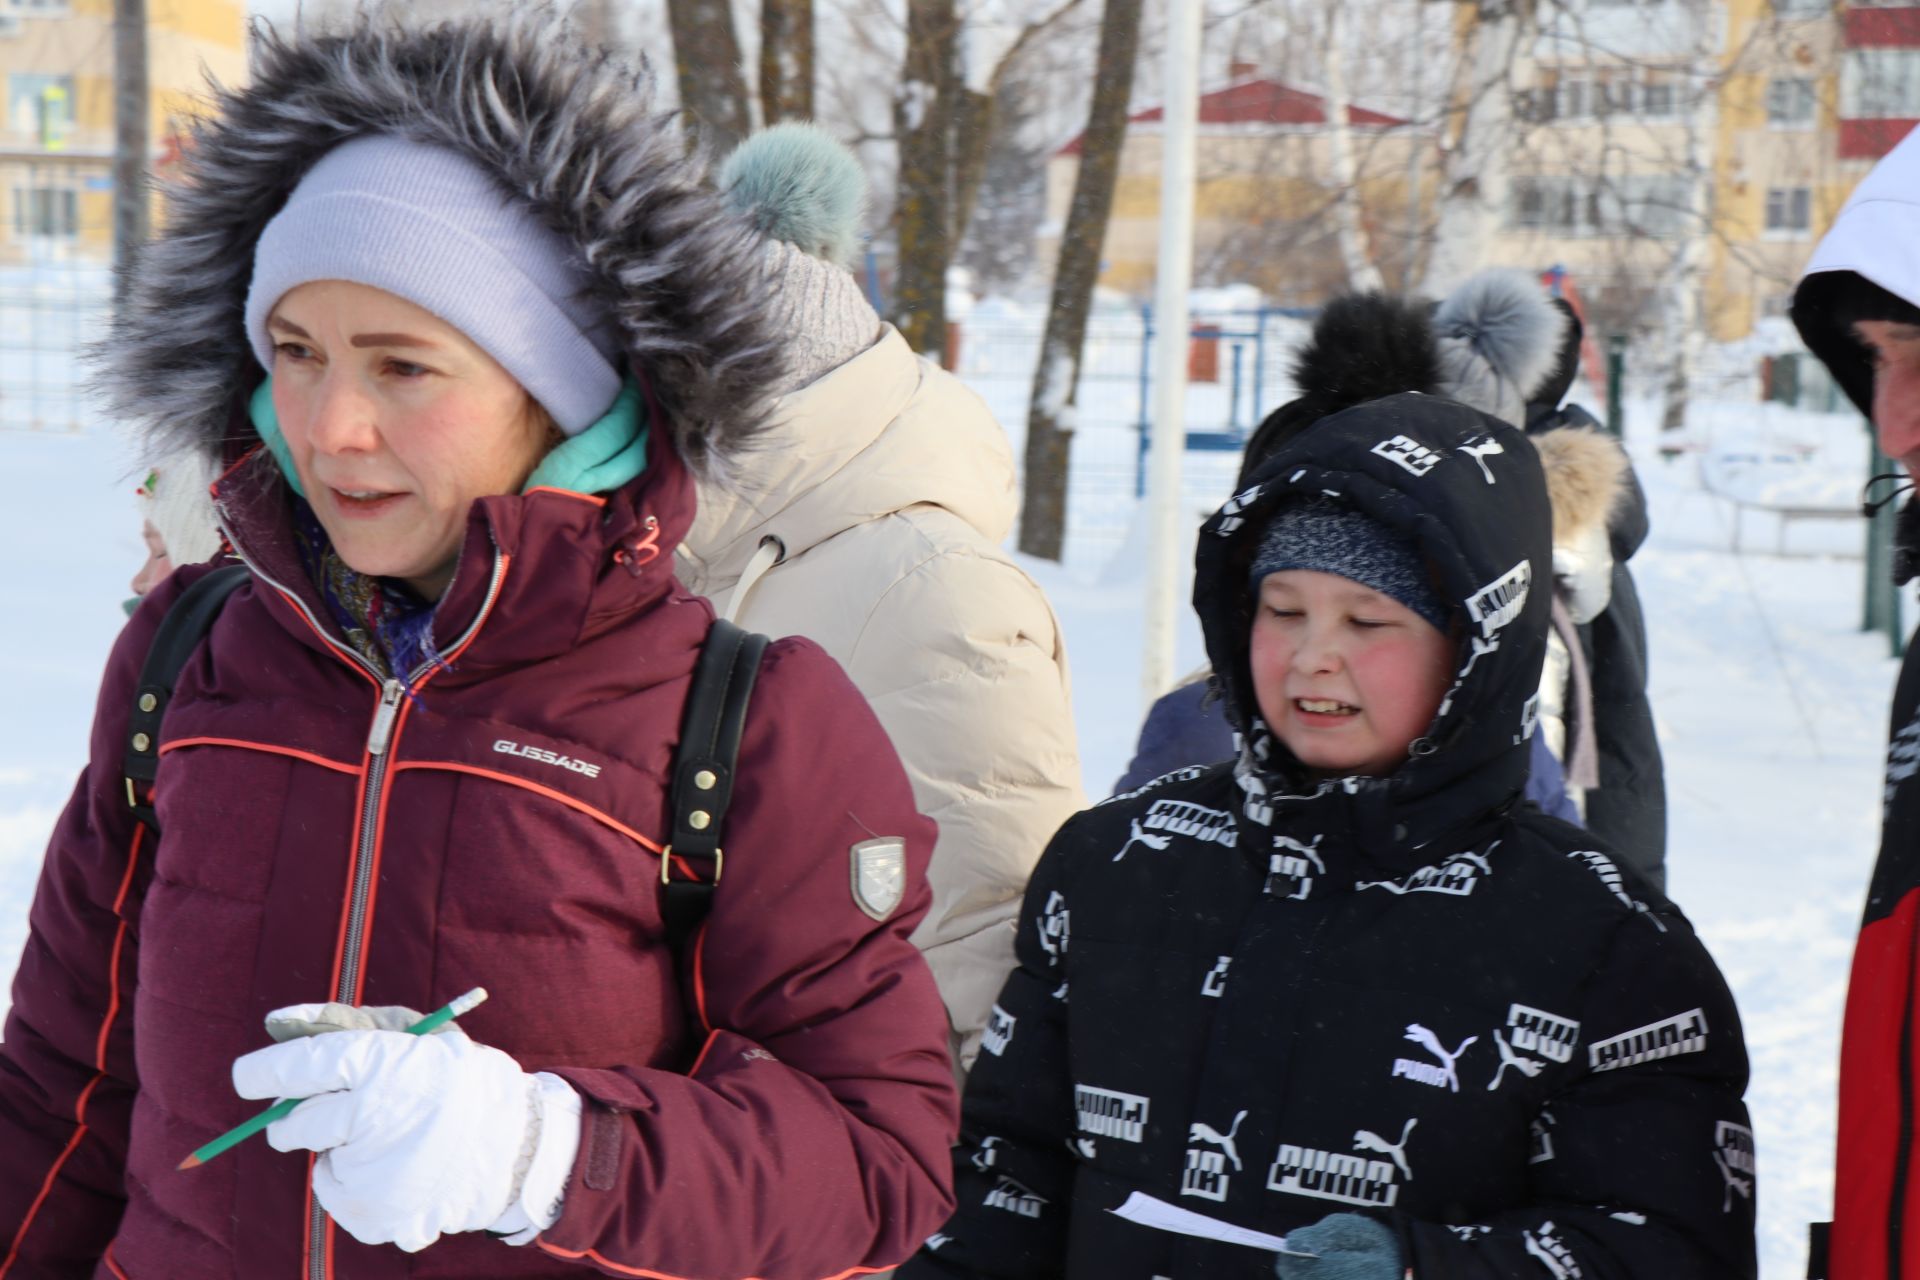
703	769
186	621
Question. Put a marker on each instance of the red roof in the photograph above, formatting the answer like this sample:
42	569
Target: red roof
1881	28
1262	102
1871	139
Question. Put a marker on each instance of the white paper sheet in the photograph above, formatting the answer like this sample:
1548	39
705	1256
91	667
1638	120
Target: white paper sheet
1150	1211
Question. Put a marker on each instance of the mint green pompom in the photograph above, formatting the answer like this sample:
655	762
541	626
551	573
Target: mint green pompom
797	184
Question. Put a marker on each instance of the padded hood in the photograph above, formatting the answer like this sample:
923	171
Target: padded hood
1468	490
1875	240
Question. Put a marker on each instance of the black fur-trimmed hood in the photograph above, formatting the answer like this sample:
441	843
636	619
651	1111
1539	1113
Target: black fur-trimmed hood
569	131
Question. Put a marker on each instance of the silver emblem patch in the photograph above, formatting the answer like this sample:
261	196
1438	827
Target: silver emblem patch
879	875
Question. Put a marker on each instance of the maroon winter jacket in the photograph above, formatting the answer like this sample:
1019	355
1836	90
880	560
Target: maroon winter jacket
781	1107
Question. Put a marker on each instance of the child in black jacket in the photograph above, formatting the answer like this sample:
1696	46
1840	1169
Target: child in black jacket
1345	989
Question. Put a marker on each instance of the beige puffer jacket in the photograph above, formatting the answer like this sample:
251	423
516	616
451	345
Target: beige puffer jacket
891	487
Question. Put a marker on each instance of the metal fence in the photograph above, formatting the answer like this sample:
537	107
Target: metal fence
55	291
1237	367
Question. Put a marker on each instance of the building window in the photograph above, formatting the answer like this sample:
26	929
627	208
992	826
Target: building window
40	8
52	212
1657	101
1653	205
1636	204
1789	210
1880	84
1570	99
1790	102
1801	8
41	107
1615	92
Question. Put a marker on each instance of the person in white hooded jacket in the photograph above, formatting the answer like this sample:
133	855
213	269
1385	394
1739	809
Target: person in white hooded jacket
1858	309
871	523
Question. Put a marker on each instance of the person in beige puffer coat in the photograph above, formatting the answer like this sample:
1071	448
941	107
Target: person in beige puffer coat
871	523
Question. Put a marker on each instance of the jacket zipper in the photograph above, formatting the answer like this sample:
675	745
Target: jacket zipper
379	740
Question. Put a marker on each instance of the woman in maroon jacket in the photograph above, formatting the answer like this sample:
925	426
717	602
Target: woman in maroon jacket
425	748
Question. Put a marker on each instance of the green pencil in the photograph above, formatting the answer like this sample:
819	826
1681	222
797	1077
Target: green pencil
282	1109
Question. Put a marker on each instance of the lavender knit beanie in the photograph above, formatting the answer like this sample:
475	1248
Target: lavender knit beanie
1327	537
426	224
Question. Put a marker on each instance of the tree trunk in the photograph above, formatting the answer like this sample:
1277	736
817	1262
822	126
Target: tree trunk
1356	251
1687	279
1474	170
974	124
923	112
706	60
786	60
977	118
1043	511
130	133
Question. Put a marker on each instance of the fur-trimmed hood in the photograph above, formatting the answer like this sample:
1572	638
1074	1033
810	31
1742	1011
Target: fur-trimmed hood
570	132
1586	480
1587	483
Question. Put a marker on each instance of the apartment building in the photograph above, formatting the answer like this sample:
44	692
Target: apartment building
1656	123
1263	196
56	134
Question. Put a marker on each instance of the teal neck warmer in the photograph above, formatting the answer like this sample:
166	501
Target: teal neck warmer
603	457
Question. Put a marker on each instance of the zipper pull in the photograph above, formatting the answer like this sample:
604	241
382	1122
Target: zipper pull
384	717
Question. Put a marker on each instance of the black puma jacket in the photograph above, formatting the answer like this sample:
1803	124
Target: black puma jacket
1265	999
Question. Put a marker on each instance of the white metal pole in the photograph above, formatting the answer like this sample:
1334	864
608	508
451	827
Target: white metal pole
1170	531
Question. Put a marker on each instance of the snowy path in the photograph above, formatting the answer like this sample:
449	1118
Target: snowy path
1772	708
1773	773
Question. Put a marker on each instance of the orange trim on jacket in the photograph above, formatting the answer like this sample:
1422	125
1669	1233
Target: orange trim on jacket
178	744
600	1261
99	1058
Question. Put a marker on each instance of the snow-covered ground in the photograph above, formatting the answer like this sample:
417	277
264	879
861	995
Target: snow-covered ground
1771	705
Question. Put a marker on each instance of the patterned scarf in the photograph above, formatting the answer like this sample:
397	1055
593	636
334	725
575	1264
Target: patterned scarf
387	622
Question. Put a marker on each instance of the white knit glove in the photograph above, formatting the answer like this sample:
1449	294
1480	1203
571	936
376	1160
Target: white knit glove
418	1135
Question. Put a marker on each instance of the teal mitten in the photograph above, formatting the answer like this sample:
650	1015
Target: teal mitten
1348	1247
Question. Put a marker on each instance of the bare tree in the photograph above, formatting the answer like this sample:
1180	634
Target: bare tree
130	133
977	122
786	60
1356	250
1043	512
706	60
924	112
1687	280
1474	163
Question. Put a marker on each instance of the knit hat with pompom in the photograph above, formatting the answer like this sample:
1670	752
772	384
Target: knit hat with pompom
1498	337
806	194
